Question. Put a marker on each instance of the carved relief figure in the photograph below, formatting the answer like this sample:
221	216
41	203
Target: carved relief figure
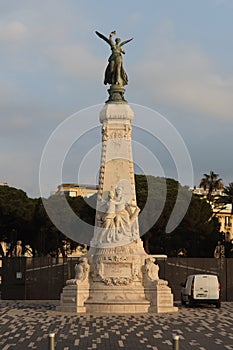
108	220
126	214
127	132
104	133
122	220
115	73
119	218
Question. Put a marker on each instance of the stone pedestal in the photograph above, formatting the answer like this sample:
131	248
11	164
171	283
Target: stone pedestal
116	284
119	276
73	298
121	279
160	297
76	291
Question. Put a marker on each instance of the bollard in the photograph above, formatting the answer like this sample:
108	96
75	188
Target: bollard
175	342
51	341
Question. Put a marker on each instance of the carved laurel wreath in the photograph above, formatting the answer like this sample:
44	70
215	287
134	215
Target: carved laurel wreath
117	281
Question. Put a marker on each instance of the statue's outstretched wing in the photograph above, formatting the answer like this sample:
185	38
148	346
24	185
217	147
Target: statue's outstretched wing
125	42
103	37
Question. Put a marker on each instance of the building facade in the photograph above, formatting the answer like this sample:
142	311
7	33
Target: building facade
225	219
224	213
75	190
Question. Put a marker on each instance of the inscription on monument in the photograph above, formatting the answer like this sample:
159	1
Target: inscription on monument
117	270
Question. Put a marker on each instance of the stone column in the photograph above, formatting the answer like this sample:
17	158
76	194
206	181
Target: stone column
117	211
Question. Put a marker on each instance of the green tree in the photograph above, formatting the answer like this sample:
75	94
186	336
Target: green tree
197	232
151	196
47	237
211	182
26	219
16	213
228	196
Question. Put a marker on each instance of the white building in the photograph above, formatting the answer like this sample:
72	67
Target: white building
75	190
223	213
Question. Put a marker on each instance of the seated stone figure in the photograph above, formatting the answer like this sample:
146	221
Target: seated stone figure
17	251
28	251
151	269
81	272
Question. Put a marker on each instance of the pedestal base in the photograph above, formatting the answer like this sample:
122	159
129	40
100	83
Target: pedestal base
121	280
117	307
116	94
73	298
117	299
160	296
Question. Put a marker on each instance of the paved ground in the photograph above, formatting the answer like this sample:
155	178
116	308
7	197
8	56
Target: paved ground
27	325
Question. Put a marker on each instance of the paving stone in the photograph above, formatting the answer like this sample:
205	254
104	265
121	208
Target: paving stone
27	326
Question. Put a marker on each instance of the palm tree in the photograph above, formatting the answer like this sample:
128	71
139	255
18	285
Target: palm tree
228	198
210	182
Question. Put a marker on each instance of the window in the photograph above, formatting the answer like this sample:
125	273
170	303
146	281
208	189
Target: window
227	221
73	194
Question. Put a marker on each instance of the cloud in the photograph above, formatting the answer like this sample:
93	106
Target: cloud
10	91
222	2
183	76
13	31
15	122
135	18
16	113
25	165
76	61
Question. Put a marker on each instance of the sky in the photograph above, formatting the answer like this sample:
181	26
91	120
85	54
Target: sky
52	65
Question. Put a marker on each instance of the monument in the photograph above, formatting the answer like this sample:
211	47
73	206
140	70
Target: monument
116	275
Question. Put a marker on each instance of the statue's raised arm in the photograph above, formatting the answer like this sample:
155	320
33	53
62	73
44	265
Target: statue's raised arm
115	73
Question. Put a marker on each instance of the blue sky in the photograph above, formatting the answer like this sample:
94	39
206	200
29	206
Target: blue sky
52	65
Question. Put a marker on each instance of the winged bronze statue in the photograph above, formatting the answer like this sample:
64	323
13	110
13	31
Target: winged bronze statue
115	73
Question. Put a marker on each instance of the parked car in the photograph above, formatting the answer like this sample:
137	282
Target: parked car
200	289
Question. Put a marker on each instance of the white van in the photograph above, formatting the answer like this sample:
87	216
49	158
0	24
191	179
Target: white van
199	289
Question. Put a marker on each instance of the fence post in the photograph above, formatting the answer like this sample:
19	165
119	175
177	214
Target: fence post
51	341
175	342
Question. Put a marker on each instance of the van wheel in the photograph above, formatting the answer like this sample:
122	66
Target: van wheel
183	302
191	304
218	304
